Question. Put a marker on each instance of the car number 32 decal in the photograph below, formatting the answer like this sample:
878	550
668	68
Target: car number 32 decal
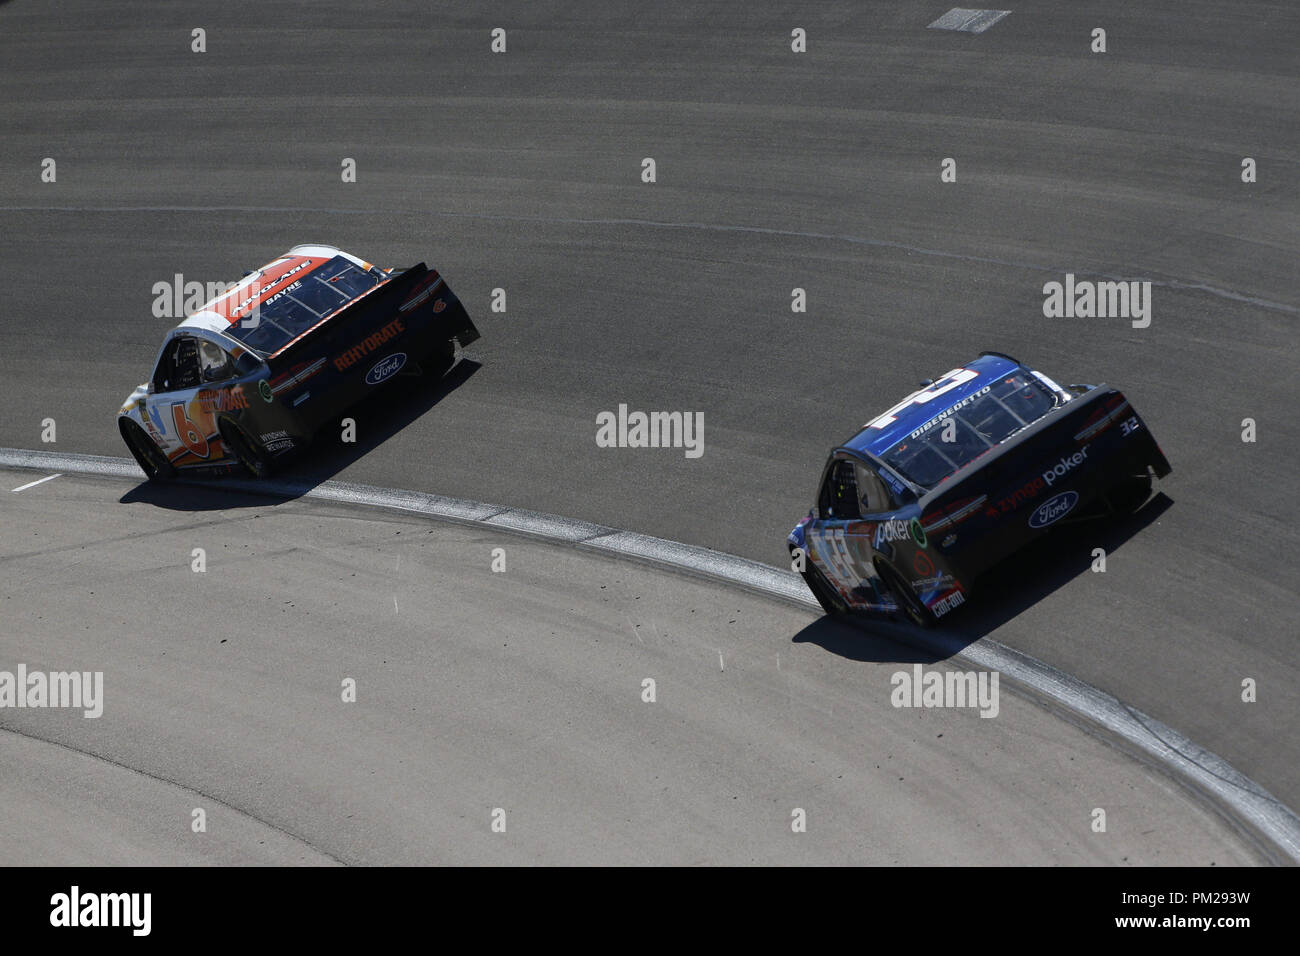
958	376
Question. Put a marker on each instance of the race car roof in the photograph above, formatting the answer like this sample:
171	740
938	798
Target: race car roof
989	368
222	312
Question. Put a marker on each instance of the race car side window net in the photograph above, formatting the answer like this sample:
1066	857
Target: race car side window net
166	370
839	499
187	364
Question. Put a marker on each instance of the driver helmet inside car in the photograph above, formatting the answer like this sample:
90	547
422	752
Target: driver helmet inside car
212	361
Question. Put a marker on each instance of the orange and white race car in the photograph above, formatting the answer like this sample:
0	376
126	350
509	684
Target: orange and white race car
253	374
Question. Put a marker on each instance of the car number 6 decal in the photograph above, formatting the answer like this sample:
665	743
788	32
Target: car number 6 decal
188	432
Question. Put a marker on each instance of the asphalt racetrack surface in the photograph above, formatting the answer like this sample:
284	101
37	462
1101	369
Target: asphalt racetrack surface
775	170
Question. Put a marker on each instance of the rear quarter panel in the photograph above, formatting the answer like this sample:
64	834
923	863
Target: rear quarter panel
383	333
1051	471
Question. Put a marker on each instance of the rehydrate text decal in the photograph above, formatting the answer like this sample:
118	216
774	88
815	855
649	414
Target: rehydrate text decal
368	345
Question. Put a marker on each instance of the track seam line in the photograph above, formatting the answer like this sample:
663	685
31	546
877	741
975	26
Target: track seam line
1244	802
178	785
1170	283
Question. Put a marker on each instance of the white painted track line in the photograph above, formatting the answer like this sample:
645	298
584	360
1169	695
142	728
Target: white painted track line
33	484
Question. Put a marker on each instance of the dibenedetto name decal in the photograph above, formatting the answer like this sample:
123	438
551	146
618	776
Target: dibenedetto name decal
368	345
948	411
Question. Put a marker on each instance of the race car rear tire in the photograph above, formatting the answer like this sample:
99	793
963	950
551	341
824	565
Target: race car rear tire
146	452
244	447
826	595
908	602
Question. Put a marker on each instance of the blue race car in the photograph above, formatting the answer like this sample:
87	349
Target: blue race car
960	474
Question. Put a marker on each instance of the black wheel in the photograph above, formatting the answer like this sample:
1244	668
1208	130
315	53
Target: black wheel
250	454
824	592
146	452
1128	496
908	602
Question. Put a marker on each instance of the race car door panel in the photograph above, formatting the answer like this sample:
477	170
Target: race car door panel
838	538
191	385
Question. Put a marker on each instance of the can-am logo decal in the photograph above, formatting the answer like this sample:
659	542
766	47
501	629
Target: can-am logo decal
386	368
1053	509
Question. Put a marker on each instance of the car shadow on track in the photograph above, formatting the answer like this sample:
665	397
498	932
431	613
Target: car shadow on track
873	642
378	418
1021	581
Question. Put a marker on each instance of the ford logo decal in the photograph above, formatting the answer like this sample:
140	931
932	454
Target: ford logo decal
1053	509
386	368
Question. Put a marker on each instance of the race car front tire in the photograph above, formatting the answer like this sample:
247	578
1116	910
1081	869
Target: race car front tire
908	602
244	447
146	452
825	593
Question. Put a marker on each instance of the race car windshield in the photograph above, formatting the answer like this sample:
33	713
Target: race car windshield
291	311
937	449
